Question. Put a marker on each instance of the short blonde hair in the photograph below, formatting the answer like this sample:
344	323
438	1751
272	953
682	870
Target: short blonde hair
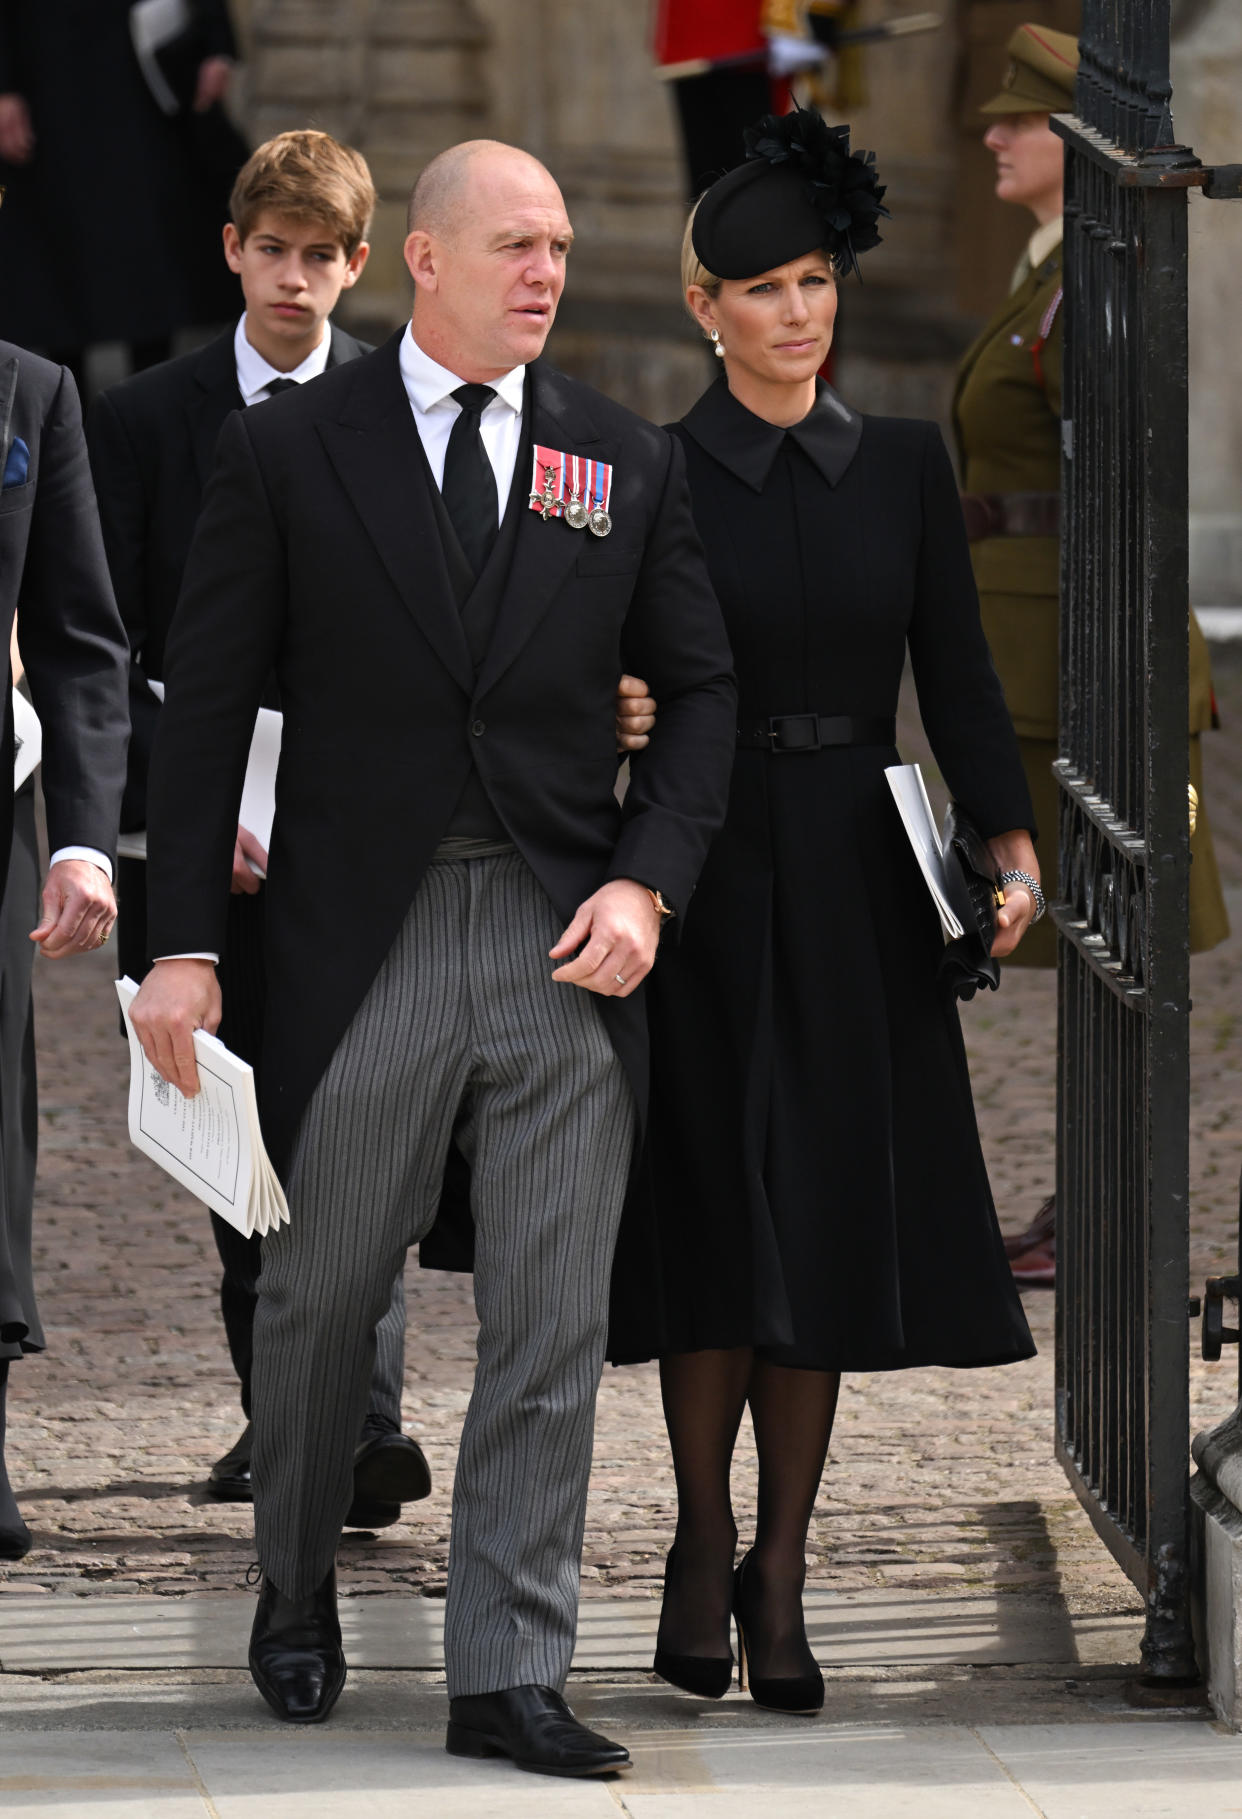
306	176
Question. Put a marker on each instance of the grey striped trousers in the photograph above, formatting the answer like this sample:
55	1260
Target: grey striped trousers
462	1030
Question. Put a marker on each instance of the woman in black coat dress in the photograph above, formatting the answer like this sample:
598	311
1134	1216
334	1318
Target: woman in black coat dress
816	1197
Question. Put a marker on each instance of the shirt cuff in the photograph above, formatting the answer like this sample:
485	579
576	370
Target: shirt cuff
214	958
91	854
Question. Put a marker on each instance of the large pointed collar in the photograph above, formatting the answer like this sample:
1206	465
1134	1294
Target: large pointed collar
747	445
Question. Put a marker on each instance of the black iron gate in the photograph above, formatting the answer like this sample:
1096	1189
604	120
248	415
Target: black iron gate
1122	1357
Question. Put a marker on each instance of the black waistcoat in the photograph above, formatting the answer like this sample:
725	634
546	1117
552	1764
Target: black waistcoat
478	601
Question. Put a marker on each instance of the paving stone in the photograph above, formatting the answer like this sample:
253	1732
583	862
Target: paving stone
937	1478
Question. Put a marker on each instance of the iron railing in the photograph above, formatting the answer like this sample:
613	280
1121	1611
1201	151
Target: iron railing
1122	1350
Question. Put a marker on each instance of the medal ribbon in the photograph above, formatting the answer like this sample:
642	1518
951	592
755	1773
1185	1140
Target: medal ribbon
599	484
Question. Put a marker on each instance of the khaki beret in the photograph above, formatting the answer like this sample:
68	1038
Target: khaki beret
1040	77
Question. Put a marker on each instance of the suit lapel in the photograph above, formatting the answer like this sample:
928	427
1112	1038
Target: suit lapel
378	457
216	398
543	551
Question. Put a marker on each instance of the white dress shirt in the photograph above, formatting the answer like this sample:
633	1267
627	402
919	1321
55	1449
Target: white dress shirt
255	374
430	387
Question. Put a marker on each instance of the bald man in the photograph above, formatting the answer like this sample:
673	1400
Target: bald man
460	916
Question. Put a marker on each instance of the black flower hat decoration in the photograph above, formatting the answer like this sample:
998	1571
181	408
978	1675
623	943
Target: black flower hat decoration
800	188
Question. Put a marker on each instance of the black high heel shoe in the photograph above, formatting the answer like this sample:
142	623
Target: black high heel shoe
800	1695
706	1676
15	1543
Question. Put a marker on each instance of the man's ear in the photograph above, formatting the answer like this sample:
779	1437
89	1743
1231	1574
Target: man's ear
232	247
354	265
420	257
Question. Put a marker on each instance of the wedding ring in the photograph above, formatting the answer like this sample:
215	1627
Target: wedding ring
618	978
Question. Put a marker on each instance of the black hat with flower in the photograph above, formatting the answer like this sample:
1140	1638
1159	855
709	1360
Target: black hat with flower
799	189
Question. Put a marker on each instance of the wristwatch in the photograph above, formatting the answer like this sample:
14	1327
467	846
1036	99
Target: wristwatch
1025	879
658	904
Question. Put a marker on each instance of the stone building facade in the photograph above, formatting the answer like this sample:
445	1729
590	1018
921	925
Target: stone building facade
401	79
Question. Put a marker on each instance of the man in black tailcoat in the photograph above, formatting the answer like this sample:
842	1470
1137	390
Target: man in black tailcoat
54	582
501	542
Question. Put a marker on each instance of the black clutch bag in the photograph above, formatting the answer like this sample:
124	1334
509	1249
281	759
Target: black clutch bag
974	888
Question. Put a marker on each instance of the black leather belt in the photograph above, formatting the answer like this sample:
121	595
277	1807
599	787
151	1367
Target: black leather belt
812	732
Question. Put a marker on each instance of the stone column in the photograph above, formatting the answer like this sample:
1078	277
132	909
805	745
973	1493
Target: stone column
1216	1498
399	79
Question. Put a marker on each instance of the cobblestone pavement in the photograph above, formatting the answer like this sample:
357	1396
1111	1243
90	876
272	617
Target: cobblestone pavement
937	1478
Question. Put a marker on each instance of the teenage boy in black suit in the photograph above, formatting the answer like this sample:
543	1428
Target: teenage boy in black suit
301	210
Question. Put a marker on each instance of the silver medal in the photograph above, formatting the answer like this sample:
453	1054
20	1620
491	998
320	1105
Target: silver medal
599	522
576	514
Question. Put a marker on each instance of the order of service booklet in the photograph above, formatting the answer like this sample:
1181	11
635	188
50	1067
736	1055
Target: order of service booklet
258	803
212	1143
910	795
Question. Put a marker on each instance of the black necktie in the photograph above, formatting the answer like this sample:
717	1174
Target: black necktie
275	386
469	490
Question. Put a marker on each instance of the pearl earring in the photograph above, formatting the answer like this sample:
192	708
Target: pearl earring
717	344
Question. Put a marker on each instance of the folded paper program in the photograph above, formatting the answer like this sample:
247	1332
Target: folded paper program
212	1143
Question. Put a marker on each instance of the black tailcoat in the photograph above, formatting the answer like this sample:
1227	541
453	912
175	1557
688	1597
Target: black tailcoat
318	555
813	1183
54	576
52	565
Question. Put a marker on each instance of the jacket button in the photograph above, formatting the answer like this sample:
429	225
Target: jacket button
478	729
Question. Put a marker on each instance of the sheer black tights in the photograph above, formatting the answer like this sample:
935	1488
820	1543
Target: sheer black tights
792	1413
10	1515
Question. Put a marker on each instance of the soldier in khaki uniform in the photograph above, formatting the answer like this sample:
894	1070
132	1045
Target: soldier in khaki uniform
1006	412
1007	419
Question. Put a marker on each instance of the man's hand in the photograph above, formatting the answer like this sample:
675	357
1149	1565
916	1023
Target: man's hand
621	931
214	76
17	140
246	880
635	714
176	998
78	909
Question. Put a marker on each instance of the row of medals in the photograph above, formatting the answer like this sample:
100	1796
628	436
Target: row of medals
577	514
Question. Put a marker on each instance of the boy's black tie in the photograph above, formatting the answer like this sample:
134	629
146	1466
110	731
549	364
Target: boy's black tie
274	387
469	489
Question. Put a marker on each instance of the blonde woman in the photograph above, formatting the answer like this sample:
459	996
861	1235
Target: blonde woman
816	1197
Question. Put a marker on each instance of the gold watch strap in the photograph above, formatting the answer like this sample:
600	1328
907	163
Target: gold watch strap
658	904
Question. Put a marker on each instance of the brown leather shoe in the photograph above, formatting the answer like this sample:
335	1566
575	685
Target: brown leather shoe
1042	1227
1036	1267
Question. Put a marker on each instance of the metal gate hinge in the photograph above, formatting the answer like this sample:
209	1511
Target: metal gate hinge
1214	1333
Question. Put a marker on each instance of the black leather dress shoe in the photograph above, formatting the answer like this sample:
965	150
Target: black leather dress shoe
228	1481
372	1513
390	1468
296	1658
534	1728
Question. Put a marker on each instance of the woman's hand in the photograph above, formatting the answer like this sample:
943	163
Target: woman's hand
1014	852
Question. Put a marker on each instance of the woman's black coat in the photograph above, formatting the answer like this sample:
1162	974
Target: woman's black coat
813	1182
